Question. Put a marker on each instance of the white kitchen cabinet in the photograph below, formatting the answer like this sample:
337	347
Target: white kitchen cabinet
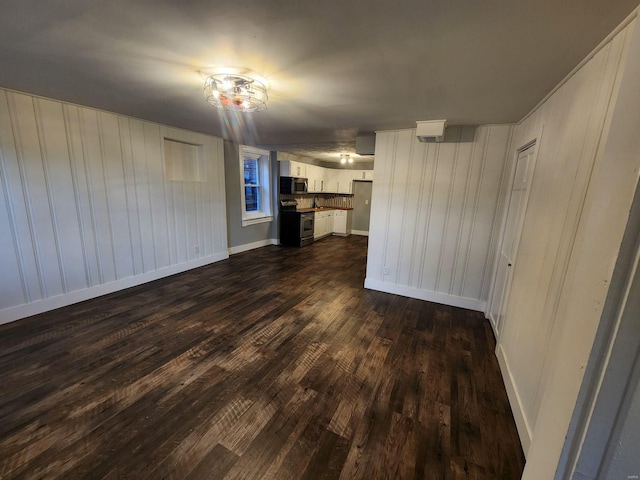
342	220
339	180
323	224
363	175
345	179
289	168
332	180
316	176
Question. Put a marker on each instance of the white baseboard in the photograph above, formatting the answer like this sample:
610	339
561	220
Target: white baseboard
445	299
364	233
28	309
250	246
524	430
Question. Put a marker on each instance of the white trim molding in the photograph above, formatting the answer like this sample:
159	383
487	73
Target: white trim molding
26	310
429	296
522	425
364	233
250	246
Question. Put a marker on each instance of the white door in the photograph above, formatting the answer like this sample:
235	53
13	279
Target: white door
511	235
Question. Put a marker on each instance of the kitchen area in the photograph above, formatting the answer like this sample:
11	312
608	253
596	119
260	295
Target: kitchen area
316	202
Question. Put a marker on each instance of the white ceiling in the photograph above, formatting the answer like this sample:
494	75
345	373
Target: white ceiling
334	68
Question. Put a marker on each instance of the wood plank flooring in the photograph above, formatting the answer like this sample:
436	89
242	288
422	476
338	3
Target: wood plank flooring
274	364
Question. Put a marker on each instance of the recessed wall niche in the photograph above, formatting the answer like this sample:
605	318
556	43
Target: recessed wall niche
183	162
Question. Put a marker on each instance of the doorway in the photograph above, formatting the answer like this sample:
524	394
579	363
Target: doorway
361	207
516	208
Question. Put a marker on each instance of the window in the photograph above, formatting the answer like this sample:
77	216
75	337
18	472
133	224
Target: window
255	186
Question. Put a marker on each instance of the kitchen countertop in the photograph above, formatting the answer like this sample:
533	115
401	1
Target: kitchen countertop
321	209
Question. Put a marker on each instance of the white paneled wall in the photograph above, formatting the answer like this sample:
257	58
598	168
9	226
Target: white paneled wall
434	214
85	207
573	122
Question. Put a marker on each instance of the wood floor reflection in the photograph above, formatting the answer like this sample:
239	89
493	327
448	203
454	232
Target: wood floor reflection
274	364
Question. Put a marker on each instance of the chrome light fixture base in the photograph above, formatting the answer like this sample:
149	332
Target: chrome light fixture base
232	91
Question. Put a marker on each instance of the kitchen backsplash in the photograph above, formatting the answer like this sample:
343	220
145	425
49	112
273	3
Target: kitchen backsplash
322	200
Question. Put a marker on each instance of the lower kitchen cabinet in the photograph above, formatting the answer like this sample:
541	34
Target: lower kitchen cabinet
342	222
337	222
323	224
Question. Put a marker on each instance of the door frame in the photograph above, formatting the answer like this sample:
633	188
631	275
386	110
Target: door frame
532	142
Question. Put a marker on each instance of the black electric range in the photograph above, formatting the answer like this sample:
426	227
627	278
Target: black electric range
296	228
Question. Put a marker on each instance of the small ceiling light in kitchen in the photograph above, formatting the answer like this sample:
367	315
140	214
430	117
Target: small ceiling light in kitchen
232	91
345	157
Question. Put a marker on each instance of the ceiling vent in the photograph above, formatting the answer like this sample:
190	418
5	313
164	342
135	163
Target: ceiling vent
431	130
365	144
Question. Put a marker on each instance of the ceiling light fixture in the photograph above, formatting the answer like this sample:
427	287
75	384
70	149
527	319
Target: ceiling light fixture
232	91
345	157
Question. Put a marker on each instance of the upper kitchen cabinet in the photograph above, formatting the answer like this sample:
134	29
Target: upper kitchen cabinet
338	180
289	168
317	179
363	175
320	179
345	179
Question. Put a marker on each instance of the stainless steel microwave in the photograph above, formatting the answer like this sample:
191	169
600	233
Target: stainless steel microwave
293	185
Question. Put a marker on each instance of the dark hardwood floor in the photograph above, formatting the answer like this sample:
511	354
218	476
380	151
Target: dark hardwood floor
274	364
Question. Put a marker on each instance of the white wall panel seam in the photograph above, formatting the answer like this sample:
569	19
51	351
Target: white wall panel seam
197	206
44	155
92	206
405	199
462	223
185	207
417	251
476	202
447	216
222	211
390	167
127	199
105	180
168	203
15	235
76	193
28	203
151	206
427	225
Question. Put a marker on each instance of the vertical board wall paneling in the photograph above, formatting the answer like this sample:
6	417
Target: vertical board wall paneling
13	282
601	83
97	195
80	193
62	201
131	197
143	197
85	207
573	117
157	195
37	196
437	207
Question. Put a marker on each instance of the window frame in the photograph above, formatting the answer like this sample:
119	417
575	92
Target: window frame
265	214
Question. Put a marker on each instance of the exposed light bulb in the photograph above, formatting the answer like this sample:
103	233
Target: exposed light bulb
350	159
342	159
226	84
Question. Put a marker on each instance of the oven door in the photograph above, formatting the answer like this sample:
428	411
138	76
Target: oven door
306	226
